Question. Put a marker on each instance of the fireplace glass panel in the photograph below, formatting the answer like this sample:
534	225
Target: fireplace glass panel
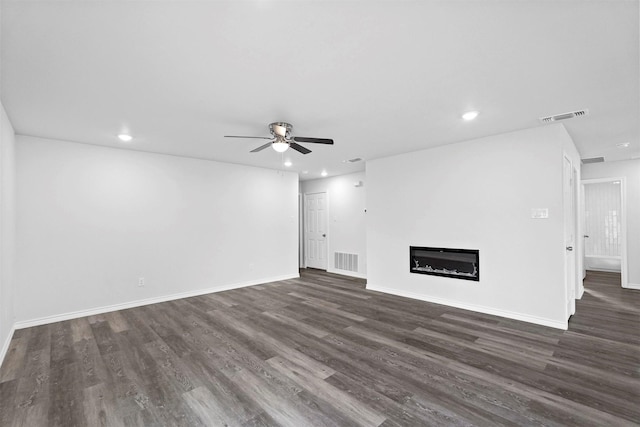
445	262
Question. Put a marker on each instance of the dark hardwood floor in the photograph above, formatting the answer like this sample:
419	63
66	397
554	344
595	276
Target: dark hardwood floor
321	350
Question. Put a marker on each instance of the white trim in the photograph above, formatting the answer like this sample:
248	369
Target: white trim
579	240
570	280
302	261
7	343
347	273
623	229
155	300
472	307
632	286
581	261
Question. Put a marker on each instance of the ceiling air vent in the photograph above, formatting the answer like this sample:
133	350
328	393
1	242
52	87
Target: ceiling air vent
592	160
564	116
357	159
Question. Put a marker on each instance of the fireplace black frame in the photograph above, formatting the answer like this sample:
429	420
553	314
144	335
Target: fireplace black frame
464	276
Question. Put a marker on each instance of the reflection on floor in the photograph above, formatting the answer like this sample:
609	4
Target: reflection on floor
323	351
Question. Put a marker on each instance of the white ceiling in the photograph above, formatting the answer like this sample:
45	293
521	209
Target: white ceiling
379	77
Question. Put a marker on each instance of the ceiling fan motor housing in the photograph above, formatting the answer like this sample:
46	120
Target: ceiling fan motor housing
280	129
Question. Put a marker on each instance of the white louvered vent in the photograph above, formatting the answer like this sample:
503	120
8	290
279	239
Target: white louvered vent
344	261
592	160
564	116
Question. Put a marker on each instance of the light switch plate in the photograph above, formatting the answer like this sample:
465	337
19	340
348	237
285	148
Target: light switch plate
540	213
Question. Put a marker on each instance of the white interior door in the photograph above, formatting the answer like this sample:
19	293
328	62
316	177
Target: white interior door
569	202
315	230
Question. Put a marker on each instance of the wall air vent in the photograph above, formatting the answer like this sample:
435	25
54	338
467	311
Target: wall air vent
592	160
564	116
345	261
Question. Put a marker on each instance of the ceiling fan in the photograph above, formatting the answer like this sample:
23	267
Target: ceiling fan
281	139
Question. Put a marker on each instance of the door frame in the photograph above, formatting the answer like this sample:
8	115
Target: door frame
578	230
301	251
304	227
570	259
624	282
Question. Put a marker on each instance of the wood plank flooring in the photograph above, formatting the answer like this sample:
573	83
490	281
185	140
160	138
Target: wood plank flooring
323	351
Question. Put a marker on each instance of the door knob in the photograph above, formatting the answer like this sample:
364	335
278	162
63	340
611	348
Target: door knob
324	235
586	236
569	248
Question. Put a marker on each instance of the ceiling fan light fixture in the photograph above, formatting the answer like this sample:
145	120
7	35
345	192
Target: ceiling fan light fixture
281	139
280	146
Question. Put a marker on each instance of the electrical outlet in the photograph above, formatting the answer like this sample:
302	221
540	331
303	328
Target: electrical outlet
140	281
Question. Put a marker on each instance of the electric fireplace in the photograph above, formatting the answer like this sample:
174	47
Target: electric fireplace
445	262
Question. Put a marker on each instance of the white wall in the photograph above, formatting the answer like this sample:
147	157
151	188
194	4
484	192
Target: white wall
92	220
346	226
7	231
630	170
475	195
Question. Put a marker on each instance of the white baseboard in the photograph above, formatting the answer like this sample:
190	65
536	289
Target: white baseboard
155	300
580	292
478	308
347	273
6	344
632	286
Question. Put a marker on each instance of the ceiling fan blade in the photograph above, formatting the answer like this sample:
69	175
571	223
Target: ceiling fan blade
262	147
313	140
299	148
251	137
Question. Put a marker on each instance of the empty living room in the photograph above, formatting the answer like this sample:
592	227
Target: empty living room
319	213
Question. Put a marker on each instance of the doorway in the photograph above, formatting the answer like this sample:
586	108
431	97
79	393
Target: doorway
315	230
604	225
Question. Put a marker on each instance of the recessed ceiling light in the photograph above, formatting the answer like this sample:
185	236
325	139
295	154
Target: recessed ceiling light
124	137
288	163
323	173
623	144
470	115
